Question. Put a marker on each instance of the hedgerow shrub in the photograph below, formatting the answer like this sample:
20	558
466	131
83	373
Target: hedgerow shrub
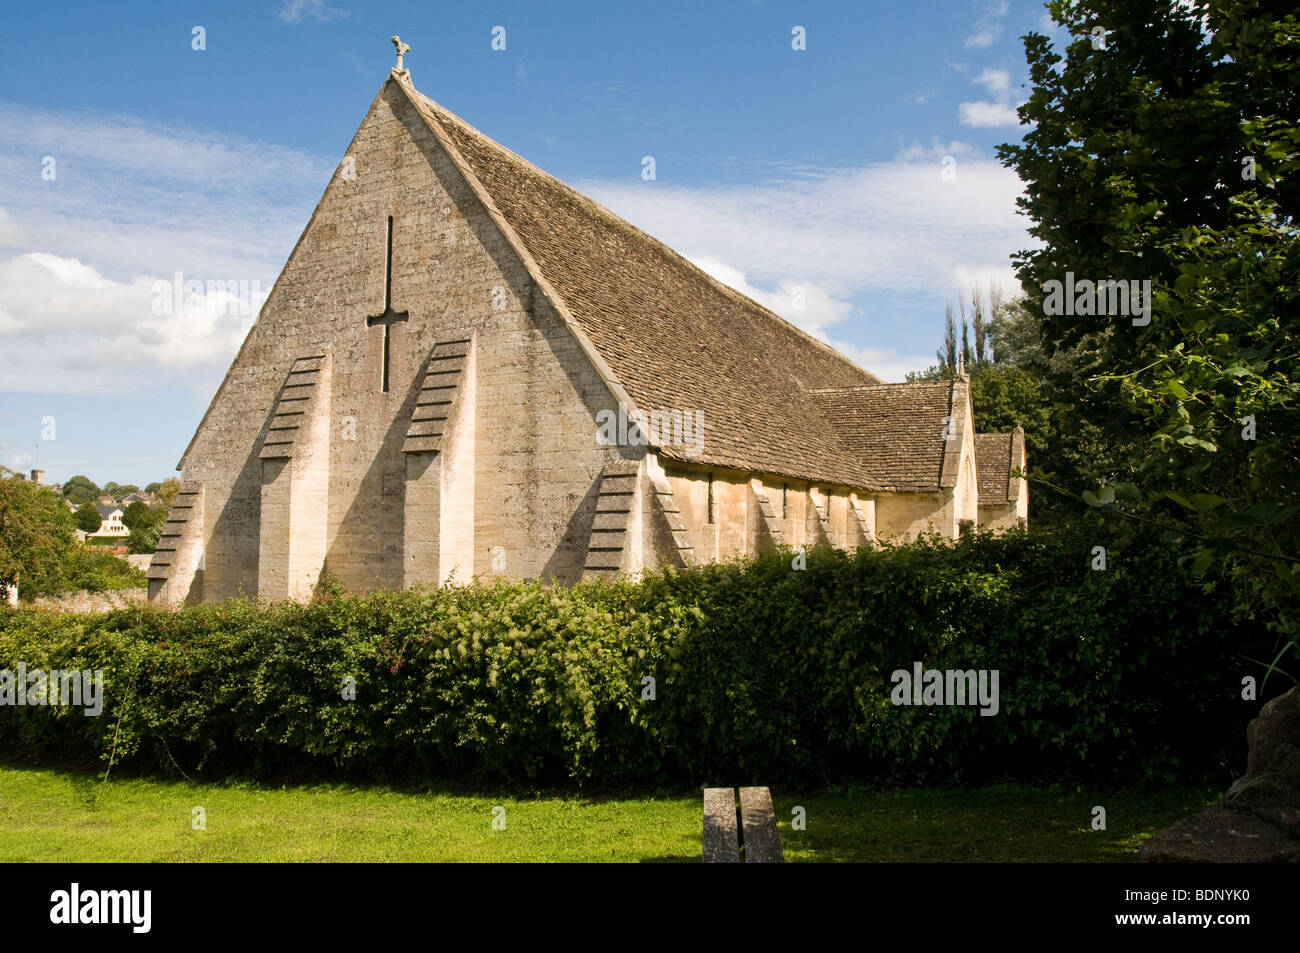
761	673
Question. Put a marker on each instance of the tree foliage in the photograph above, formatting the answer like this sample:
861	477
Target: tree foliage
167	491
79	489
88	519
1169	154
146	528
39	549
136	513
35	532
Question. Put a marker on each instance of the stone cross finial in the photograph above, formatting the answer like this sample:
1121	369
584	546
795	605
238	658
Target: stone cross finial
402	48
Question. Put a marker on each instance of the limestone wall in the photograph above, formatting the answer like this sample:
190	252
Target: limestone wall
536	457
737	526
903	516
1000	517
85	601
724	534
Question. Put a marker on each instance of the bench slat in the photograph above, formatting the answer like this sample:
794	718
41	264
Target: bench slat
721	839
762	842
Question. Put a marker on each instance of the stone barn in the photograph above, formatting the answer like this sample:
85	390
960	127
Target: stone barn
468	369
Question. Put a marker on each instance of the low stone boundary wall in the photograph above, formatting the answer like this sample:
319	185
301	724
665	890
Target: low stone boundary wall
87	601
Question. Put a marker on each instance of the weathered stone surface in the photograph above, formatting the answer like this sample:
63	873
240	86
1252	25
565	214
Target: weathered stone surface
1271	787
1222	835
1274	739
721	839
84	600
762	842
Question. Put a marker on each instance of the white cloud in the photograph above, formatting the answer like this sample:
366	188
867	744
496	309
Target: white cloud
131	204
998	81
888	364
135	198
935	151
811	309
67	329
886	227
806	305
967	278
295	11
987	115
19	460
989	25
11	233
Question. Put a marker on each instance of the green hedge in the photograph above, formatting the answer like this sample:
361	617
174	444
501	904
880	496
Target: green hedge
762	673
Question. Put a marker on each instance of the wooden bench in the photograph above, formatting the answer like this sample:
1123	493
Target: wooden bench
740	835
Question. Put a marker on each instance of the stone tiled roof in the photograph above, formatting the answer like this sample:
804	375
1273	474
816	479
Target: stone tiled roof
669	336
897	430
993	467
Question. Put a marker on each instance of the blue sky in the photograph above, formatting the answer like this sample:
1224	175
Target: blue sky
786	173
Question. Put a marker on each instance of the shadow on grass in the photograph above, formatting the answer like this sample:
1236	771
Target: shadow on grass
999	825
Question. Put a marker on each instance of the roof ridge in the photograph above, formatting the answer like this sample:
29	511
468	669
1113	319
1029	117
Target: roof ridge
849	387
622	223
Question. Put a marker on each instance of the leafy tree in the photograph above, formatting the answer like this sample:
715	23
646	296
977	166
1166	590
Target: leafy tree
36	530
135	513
88	518
981	322
168	490
1169	154
88	567
79	489
1016	334
947	353
152	487
146	532
1006	396
1012	386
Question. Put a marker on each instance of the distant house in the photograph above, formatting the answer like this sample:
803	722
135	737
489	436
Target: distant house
136	498
110	515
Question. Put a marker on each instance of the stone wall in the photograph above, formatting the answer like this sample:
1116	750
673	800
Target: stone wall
737	527
536	458
85	601
902	516
1006	516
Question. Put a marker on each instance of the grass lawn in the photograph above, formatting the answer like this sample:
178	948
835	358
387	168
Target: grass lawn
1006	824
54	815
